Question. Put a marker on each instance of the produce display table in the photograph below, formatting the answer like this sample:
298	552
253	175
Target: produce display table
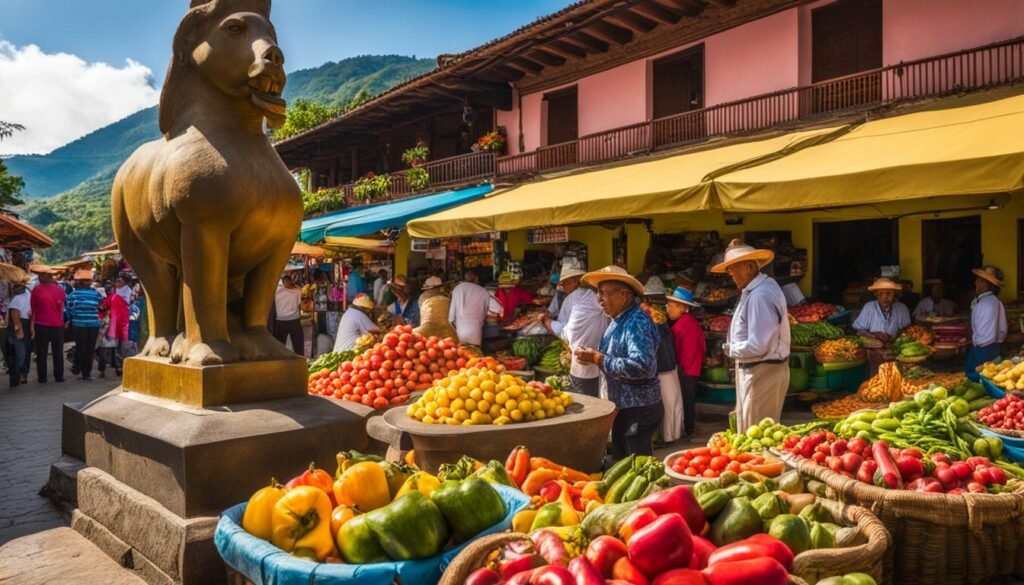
575	439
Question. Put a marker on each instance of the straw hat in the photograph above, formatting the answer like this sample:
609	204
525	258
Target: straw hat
506	279
42	269
682	296
431	282
362	301
83	275
568	273
615	273
885	284
740	252
991	274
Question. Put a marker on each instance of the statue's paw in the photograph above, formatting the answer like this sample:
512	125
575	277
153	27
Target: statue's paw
212	353
257	344
179	349
159	347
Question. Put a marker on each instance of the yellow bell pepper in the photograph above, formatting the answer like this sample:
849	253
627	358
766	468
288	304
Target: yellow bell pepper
522	521
364	485
570	516
257	519
302	523
420	481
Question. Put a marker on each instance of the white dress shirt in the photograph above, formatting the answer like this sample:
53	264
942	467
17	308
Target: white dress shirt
988	320
927	306
288	303
794	296
760	324
353	325
379	286
565	310
468	310
873	320
584	327
22	304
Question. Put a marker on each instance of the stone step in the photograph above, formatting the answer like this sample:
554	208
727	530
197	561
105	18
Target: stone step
60	556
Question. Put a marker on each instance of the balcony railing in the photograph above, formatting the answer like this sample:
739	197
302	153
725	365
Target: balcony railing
991	65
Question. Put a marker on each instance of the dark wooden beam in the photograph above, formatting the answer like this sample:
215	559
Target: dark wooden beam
499	73
525	65
658	12
565	49
546	57
633	21
610	33
587	42
689	7
722	3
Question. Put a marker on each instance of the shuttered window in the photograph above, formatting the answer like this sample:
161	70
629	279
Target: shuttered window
563	116
679	83
846	38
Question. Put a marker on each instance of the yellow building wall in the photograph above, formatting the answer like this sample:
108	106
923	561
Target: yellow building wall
402	249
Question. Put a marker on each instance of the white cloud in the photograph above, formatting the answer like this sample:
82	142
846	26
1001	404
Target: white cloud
59	97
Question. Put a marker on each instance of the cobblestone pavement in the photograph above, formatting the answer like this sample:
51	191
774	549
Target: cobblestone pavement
30	420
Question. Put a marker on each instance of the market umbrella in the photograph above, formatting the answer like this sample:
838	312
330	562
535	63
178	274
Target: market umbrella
304	249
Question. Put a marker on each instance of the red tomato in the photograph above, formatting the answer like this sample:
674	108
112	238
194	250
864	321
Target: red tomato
405	337
449	354
425	378
691	472
719	463
460	363
710	473
411	354
367	399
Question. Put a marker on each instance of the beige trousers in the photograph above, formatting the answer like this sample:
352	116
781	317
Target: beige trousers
672	399
760	392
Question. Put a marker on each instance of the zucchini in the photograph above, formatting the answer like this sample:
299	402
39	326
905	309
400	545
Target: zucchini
621	467
616	491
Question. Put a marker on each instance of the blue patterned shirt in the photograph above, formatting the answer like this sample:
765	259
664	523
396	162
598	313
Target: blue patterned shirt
82	307
630	348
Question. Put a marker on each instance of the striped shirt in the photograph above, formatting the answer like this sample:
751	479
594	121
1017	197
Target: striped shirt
83	307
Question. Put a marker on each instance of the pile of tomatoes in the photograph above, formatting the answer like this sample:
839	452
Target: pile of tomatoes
711	461
401	363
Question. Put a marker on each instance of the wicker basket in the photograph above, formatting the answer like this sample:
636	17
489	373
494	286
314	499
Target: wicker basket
970	538
869	557
475	556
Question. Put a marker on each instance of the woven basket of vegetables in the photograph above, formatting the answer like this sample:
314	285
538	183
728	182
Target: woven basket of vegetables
864	554
937	538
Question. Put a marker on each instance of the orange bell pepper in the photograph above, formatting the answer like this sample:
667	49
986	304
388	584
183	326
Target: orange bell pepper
302	523
257	519
364	485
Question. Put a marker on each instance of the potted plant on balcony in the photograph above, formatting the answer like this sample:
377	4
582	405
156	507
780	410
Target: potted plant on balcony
416	155
322	201
493	141
418	178
372	187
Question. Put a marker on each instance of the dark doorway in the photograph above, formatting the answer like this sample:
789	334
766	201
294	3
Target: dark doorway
950	249
562	116
847	253
679	82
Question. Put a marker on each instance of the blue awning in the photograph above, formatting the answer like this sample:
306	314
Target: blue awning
368	219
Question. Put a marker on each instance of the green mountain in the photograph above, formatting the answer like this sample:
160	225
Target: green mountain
81	172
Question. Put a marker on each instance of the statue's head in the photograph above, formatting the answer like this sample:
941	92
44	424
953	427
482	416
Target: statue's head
231	46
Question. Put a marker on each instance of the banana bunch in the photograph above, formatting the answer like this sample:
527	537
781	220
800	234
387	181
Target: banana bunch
551	359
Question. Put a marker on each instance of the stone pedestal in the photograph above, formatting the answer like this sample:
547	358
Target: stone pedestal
158	472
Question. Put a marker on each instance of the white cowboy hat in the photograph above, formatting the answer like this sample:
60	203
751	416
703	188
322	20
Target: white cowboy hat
885	284
615	273
431	282
991	274
568	273
363	301
740	252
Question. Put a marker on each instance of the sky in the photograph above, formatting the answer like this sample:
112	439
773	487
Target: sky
68	67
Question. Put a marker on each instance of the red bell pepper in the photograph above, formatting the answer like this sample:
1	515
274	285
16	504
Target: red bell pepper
634	521
552	576
317	478
584	572
603	552
763	571
520	564
521	578
681	577
679	500
702	549
483	576
757	546
550	546
663	544
628	572
550	491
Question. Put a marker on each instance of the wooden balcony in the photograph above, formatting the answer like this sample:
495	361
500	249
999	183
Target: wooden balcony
972	69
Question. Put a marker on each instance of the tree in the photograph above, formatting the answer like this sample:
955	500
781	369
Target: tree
10	188
7	129
302	116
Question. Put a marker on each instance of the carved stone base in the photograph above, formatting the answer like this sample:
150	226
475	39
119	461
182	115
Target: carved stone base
216	385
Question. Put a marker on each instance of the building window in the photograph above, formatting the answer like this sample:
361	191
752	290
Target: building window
562	116
846	38
679	83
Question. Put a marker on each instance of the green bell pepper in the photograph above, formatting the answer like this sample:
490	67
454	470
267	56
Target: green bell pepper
411	527
358	543
469	506
549	515
494	472
396	474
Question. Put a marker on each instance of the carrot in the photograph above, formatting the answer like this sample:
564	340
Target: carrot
573	476
537	478
769	469
567	473
544	463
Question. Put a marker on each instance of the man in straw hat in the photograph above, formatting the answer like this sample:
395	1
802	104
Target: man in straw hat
628	358
47	323
355	323
83	314
988	319
581	323
404	307
936	302
758	335
883	317
19	313
690	348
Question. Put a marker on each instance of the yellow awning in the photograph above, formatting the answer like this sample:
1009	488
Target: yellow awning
353	243
670	185
962	146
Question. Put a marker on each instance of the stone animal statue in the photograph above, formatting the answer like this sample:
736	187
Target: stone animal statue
207	215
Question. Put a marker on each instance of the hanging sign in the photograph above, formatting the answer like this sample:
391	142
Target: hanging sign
549	235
